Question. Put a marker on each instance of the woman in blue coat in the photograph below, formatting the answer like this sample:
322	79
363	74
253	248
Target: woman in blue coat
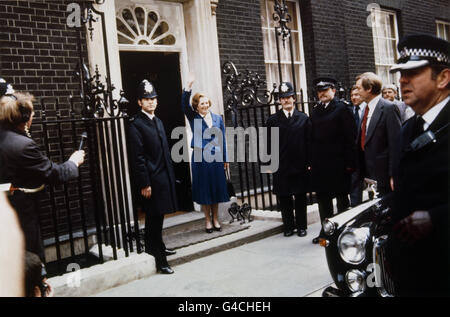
209	156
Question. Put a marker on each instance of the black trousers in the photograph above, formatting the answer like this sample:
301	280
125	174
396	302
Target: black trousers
356	189
153	237
325	201
26	206
287	206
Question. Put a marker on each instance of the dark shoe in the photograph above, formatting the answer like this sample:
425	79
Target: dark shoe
301	233
165	270
209	230
316	240
170	252
217	228
288	233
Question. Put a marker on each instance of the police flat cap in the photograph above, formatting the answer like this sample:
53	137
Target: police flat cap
286	90
5	88
323	83
420	50
146	90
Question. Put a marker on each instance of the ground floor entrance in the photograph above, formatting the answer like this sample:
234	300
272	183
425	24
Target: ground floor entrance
163	70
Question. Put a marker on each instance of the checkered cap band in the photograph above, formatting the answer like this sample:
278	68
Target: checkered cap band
439	56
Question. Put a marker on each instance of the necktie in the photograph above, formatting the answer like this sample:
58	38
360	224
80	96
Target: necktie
418	127
357	115
289	115
363	127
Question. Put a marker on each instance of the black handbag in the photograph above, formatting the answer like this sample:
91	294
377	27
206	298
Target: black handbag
230	187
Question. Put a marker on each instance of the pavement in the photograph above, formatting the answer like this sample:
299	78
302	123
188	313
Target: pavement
249	259
275	266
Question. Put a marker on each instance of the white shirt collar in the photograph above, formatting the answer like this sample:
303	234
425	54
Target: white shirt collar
151	116
286	113
372	104
432	113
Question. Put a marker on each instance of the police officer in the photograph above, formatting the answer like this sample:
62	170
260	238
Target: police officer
154	176
291	178
333	155
419	242
26	168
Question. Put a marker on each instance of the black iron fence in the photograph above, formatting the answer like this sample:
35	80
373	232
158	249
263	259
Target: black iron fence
96	210
249	105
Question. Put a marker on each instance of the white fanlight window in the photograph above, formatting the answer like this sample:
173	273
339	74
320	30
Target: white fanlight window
443	30
270	47
139	25
385	39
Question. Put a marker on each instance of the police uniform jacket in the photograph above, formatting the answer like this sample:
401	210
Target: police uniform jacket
421	183
151	164
294	142
24	166
333	148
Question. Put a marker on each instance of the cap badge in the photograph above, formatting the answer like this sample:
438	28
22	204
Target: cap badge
284	87
148	87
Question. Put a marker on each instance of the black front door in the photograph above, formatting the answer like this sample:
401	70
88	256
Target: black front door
163	70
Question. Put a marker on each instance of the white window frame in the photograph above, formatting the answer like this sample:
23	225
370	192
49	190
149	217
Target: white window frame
446	35
392	78
299	65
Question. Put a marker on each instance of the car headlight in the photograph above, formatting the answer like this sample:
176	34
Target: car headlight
356	281
352	245
328	227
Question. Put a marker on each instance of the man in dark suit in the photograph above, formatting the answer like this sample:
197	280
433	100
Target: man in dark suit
333	149
357	109
379	132
154	177
291	178
419	242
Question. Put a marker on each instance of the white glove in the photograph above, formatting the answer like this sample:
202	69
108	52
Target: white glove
77	157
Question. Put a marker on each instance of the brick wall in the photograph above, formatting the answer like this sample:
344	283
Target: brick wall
38	54
338	42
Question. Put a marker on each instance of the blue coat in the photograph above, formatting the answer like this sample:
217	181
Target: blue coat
208	178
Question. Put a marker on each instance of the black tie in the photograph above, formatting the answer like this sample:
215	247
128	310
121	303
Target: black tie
289	115
357	115
418	127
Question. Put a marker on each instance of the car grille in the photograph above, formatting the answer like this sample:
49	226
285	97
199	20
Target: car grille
383	280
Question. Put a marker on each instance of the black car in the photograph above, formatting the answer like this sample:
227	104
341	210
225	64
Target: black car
354	243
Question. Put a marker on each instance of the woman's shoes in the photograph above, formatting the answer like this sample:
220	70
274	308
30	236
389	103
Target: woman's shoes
217	228
209	230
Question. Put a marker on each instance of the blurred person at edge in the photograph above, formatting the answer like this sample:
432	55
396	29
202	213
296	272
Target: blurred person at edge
12	247
26	168
35	284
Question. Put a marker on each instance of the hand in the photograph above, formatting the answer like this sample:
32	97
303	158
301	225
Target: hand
226	165
191	80
415	227
77	157
391	182
146	192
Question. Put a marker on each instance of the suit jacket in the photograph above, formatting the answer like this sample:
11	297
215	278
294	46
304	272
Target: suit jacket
24	165
381	143
294	142
198	126
421	183
333	148
151	164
